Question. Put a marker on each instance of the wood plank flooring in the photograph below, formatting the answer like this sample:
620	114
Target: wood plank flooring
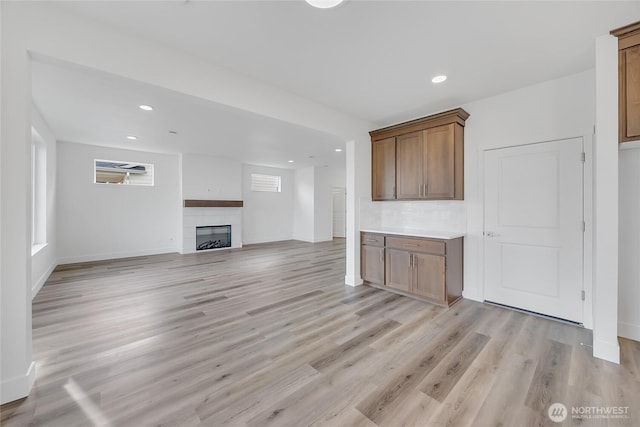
269	335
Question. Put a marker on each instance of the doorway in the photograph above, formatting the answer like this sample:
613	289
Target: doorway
534	228
339	211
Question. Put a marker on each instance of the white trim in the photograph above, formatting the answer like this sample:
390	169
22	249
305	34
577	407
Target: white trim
115	255
353	281
41	281
587	238
18	387
629	330
473	295
38	247
609	351
631	145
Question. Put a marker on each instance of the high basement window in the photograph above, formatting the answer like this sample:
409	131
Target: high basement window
269	183
123	173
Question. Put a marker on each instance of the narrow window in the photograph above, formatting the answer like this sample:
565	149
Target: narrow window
269	183
38	190
123	173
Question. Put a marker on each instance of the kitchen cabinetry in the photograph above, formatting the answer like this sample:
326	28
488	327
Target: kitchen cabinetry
383	169
628	82
429	158
425	268
372	257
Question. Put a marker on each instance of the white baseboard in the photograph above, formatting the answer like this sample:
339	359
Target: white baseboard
472	294
41	281
606	350
629	330
115	255
268	240
353	280
18	387
184	251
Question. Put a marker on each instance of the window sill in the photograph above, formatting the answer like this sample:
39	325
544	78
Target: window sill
37	248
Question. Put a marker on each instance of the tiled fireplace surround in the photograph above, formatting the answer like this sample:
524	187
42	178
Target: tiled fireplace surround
198	217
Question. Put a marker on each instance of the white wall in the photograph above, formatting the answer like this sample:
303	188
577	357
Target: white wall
313	202
629	242
45	259
210	178
267	217
303	205
557	109
105	221
420	215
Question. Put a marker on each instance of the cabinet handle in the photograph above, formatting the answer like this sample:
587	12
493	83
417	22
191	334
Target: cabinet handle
410	260
411	245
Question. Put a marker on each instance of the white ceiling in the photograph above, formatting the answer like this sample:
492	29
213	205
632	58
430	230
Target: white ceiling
371	59
87	106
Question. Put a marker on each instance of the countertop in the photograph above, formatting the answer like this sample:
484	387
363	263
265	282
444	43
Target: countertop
445	235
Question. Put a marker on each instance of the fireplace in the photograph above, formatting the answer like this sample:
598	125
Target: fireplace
213	237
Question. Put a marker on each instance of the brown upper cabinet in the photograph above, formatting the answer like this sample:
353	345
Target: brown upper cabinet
383	168
420	160
628	82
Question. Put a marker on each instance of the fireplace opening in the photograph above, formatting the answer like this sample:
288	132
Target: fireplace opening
213	237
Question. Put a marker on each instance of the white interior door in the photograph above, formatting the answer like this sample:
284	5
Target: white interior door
533	213
339	212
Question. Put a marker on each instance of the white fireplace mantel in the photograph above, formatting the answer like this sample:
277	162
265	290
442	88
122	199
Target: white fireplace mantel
198	217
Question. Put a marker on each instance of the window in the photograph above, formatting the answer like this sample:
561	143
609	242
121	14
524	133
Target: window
123	173
269	183
38	190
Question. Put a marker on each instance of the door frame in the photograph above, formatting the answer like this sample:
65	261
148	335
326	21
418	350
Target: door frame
343	191
587	214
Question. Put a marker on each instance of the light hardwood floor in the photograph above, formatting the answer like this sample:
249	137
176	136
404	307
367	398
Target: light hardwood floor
269	335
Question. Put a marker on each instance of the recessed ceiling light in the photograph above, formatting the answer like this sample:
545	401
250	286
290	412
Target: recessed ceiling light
338	150
290	161
439	79
173	132
146	107
132	137
324	4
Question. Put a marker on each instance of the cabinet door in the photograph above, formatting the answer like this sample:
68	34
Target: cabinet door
438	162
409	166
372	264
383	169
428	276
399	271
632	92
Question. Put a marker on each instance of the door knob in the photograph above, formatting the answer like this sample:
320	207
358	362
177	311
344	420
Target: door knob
491	234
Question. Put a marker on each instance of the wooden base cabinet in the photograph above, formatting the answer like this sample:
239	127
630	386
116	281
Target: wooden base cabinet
399	270
427	269
428	276
372	257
